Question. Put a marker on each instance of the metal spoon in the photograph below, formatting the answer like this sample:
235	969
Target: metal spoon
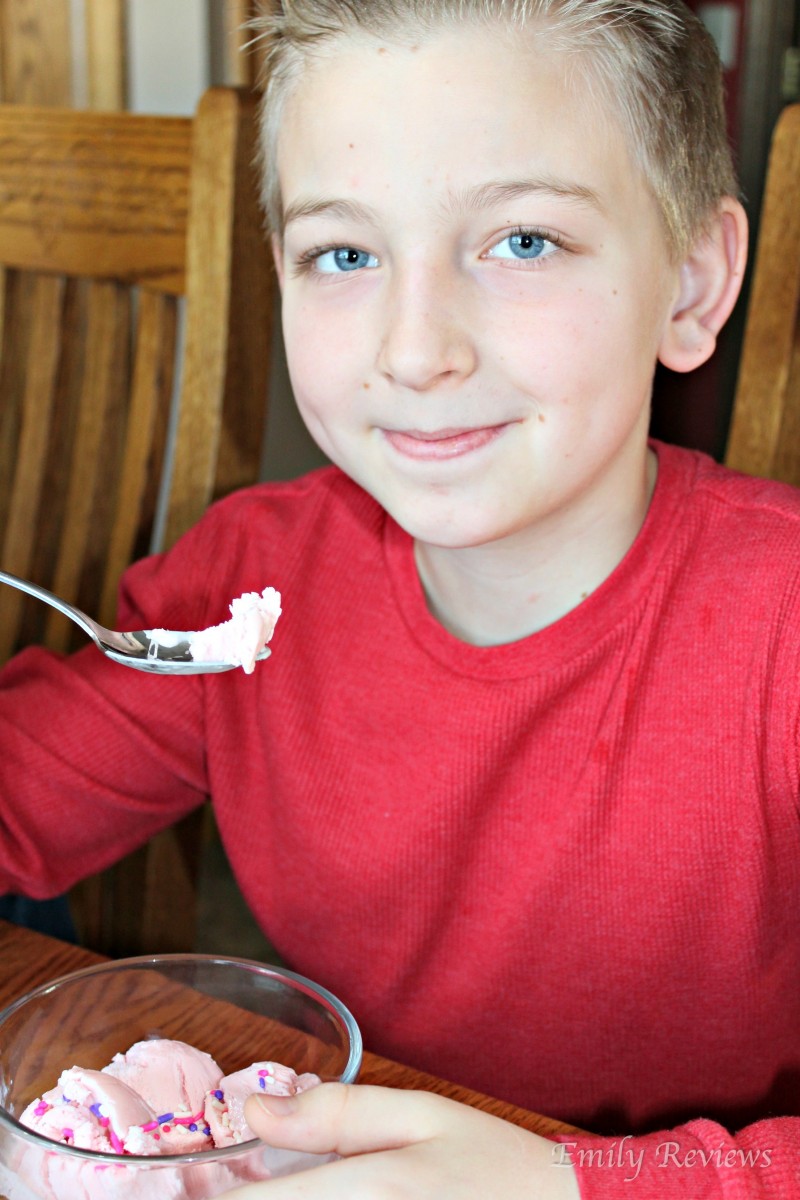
159	651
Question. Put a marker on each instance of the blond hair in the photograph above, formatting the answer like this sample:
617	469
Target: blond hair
651	62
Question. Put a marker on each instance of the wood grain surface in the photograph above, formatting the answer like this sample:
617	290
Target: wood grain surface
764	436
35	52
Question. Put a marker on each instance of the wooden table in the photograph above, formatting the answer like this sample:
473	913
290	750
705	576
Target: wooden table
29	959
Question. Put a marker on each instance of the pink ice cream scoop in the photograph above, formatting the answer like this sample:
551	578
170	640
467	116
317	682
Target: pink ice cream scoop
160	1097
173	1079
88	1109
225	1104
238	641
244	636
168	1075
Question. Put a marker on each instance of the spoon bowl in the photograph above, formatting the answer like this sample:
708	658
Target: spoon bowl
159	651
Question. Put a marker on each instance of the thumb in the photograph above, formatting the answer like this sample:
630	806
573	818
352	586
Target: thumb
345	1119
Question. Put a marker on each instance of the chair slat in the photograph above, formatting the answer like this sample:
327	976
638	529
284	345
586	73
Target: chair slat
35	66
228	271
762	421
13	354
37	403
95	453
3	277
786	455
253	304
106	52
46	537
41	301
208	258
145	441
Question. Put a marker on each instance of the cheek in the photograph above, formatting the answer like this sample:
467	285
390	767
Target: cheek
324	342
592	333
551	341
584	367
311	352
321	374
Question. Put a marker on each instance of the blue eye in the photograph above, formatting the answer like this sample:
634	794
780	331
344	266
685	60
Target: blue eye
343	258
524	246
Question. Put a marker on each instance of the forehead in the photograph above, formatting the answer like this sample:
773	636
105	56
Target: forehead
451	110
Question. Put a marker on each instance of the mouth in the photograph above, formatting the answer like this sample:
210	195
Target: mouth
439	444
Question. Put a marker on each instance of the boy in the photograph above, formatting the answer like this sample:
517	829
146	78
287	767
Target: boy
520	780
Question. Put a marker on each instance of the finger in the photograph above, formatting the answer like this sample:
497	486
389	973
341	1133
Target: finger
346	1118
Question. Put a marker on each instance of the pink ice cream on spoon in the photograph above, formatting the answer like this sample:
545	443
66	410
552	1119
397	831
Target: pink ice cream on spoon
239	640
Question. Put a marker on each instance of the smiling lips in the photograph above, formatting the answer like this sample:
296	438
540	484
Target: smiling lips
441	444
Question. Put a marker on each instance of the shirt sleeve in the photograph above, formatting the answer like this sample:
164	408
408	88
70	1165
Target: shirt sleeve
96	757
696	1161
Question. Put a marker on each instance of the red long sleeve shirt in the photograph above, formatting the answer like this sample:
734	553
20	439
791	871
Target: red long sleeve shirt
564	871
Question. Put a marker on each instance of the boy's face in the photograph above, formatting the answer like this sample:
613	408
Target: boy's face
475	285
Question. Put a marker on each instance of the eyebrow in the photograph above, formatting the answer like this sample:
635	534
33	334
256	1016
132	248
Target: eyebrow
348	210
486	195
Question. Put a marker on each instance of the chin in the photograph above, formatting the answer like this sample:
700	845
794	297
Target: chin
458	516
465	531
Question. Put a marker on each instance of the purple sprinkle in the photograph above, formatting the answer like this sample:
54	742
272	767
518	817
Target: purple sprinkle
164	1118
193	1127
207	1131
220	1095
95	1108
261	1084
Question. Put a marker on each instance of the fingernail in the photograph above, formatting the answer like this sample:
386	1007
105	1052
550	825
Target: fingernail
277	1106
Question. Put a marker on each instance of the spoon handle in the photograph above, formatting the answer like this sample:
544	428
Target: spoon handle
40	593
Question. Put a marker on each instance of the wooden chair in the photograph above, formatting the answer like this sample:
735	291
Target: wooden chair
132	260
764	436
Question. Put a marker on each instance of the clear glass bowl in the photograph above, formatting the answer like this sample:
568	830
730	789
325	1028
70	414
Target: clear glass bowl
238	1011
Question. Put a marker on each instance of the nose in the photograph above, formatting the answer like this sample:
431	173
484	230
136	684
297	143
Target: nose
427	341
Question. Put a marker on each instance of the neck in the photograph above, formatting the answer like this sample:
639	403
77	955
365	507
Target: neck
506	590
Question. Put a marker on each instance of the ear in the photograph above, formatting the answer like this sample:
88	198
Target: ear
710	279
277	257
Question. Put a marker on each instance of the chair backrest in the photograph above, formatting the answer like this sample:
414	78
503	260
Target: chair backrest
764	436
133	267
106	221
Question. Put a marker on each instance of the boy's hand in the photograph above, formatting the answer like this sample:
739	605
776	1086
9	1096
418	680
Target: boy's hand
395	1143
